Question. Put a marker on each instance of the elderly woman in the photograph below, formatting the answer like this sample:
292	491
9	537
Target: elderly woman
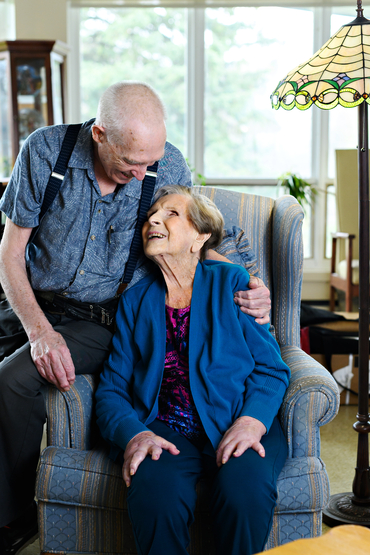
192	389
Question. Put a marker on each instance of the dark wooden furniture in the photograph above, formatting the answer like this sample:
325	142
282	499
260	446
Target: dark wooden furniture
343	283
31	93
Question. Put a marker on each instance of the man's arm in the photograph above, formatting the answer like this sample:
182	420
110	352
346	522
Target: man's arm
255	301
49	351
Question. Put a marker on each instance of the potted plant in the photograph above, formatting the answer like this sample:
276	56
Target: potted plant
198	178
300	189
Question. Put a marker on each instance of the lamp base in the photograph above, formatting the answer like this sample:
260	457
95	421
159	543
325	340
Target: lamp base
341	510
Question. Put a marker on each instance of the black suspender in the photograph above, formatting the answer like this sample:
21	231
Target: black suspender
55	182
145	200
60	168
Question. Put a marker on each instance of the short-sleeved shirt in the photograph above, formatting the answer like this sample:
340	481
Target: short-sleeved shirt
76	256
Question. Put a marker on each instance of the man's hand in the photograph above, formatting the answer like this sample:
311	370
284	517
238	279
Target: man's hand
246	432
141	445
255	301
53	360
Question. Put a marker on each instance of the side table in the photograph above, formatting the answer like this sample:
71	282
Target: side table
341	540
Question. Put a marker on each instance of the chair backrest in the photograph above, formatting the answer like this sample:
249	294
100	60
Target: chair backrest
274	230
252	213
346	191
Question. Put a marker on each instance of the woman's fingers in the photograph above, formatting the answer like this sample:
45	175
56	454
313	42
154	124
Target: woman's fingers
143	445
245	433
236	449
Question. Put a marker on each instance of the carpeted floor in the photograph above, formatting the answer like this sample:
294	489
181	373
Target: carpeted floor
339	448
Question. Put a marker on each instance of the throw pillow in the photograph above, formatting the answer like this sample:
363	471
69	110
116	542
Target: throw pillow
236	247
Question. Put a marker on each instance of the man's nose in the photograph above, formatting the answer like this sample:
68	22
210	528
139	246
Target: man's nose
139	172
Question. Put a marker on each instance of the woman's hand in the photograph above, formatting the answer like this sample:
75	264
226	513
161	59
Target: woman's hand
141	445
246	432
255	301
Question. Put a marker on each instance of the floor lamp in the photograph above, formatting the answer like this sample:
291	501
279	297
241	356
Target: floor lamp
339	73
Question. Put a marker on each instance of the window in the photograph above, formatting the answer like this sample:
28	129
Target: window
247	51
137	44
215	68
342	121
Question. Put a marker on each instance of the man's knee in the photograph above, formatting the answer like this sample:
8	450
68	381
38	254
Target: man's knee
18	374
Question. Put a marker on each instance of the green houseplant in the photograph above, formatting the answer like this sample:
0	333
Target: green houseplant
300	189
198	178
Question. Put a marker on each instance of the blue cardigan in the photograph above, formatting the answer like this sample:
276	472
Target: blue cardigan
235	367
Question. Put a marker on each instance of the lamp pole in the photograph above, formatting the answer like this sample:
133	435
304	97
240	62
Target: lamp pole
354	508
361	483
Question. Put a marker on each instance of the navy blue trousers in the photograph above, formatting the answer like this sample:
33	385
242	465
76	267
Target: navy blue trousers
161	499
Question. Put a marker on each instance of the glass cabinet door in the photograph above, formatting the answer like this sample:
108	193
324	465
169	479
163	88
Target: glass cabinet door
32	100
6	155
31	93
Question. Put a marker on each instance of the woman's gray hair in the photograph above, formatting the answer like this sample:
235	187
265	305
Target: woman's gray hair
202	212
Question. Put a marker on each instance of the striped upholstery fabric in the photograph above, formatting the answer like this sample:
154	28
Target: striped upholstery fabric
82	498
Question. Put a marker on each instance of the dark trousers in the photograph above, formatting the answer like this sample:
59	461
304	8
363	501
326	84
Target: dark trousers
22	408
161	499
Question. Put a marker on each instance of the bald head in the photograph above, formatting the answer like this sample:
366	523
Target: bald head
129	133
129	107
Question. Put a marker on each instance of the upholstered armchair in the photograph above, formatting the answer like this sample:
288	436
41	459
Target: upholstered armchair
80	491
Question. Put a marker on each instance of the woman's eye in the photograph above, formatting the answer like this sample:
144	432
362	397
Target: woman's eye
174	213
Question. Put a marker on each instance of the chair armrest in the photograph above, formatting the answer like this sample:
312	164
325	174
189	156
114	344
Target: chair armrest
70	415
311	400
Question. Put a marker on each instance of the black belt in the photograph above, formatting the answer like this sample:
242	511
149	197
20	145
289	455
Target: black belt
100	313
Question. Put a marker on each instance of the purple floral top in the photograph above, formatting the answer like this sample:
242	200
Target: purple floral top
176	404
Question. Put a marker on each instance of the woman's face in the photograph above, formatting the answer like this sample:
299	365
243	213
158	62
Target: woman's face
169	231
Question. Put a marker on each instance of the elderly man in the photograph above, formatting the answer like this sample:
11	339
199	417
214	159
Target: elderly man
80	252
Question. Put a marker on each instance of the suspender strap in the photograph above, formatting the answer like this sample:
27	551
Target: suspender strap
55	182
136	245
57	176
60	168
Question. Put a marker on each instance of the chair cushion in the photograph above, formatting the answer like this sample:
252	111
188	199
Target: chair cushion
91	479
342	270
236	247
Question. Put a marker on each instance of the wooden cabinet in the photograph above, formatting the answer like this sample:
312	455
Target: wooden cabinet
31	93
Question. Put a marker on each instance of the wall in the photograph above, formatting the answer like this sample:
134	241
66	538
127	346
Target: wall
41	19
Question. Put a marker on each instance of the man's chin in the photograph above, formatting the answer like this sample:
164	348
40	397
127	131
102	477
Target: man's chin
123	180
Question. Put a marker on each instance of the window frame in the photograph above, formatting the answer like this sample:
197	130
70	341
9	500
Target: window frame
322	9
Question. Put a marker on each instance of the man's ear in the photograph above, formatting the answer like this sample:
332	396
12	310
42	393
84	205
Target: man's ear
98	134
199	241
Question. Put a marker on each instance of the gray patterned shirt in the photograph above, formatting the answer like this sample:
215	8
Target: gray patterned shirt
74	255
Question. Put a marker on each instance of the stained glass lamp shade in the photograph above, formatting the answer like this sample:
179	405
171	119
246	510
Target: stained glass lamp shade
339	73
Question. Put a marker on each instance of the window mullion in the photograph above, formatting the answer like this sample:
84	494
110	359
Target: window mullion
319	156
195	88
